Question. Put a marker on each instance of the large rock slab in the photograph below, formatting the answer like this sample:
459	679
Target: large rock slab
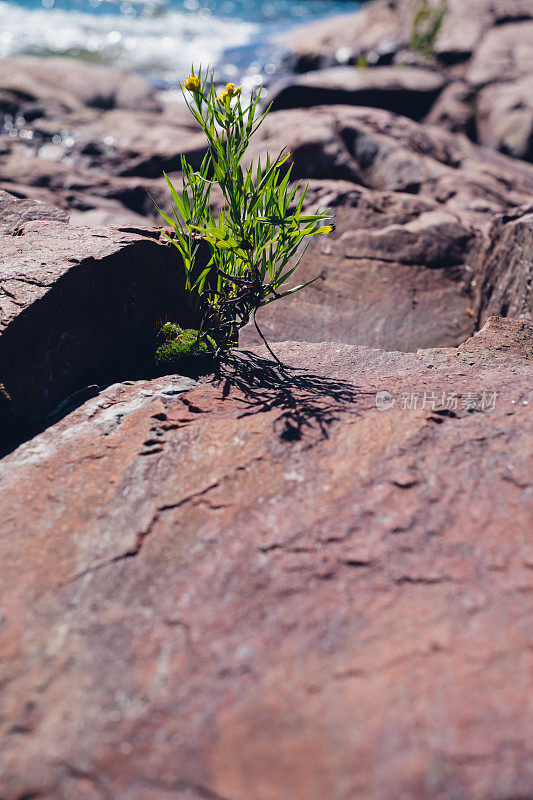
77	304
382	151
267	587
410	91
506	53
33	86
393	275
376	29
401	270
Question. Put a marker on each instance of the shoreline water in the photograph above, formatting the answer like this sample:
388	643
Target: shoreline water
161	40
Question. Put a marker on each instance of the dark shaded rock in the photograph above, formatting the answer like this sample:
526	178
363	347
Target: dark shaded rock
455	110
504	265
78	306
410	91
224	603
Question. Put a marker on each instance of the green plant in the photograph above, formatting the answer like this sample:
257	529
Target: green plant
427	22
255	237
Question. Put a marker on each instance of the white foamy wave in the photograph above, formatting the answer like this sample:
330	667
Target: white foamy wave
161	43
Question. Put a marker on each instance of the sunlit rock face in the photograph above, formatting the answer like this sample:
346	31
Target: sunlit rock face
266	585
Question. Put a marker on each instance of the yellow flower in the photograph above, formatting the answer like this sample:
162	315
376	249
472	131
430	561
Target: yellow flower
192	83
231	91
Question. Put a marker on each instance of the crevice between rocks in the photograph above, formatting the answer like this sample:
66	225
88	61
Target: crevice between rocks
94	325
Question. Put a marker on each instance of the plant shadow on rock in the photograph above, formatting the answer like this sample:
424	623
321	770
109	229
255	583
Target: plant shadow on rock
307	402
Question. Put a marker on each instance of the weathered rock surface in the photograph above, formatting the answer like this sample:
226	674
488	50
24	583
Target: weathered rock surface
376	30
403	267
75	304
80	189
485	47
505	117
410	91
14	212
267	588
455	110
394	276
505	52
411	217
466	24
382	151
504	264
35	86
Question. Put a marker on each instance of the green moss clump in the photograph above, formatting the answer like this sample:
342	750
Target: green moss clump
182	349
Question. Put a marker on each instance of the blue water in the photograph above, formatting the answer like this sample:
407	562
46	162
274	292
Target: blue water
161	38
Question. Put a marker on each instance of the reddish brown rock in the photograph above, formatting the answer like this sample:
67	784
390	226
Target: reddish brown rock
504	265
483	43
386	152
77	304
321	600
376	30
410	91
465	24
455	110
398	272
51	175
506	53
15	212
505	117
36	86
122	141
384	27
393	276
